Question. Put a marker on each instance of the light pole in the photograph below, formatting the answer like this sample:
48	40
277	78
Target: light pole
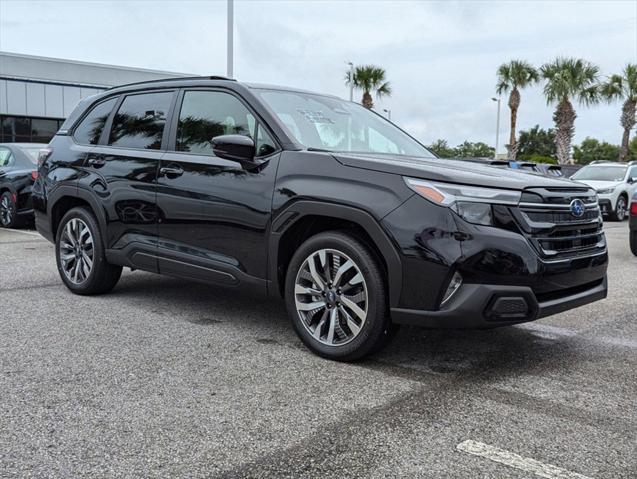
388	113
230	31
351	81
497	128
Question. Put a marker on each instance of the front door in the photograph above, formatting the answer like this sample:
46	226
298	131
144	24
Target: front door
214	212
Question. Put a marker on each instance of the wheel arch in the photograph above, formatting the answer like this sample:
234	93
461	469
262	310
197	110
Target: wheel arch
303	219
68	197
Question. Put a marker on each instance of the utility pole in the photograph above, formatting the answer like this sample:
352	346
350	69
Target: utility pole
351	81
230	42
497	128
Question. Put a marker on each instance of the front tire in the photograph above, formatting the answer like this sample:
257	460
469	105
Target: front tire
8	211
80	255
619	214
336	297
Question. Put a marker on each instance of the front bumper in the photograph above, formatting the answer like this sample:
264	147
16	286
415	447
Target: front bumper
495	263
485	306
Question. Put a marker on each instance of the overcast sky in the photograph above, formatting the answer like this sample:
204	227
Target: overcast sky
440	56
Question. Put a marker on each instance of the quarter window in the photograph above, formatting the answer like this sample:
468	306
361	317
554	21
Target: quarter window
207	114
140	121
88	132
264	144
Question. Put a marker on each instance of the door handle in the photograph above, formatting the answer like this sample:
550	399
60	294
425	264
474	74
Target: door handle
171	171
96	161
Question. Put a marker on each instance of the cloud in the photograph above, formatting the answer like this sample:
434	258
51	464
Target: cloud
440	57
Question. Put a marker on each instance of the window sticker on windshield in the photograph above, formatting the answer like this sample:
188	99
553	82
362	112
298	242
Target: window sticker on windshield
315	116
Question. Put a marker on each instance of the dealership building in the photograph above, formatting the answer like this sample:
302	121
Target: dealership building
38	93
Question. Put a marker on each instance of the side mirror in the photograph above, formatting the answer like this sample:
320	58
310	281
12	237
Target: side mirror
631	180
237	148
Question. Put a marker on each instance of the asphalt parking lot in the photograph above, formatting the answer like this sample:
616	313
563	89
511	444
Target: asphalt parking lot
164	378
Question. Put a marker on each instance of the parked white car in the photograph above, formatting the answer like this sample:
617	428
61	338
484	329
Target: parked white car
615	184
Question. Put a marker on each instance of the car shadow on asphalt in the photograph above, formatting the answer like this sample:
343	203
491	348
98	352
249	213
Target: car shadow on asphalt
414	352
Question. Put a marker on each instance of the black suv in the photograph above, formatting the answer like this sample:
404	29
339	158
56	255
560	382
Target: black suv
314	199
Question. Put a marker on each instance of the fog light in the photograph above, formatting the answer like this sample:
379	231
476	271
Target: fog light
454	285
476	213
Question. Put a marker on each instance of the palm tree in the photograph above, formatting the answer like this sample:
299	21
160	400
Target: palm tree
568	79
623	87
369	78
512	77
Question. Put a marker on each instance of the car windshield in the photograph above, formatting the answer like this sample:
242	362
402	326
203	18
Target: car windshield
32	153
328	123
601	173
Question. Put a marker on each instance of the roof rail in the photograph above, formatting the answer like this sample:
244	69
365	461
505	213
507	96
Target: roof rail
205	77
597	162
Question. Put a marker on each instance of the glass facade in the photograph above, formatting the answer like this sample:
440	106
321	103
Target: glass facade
25	129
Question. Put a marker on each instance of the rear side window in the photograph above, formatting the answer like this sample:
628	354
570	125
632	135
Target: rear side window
140	121
206	114
90	128
32	154
5	157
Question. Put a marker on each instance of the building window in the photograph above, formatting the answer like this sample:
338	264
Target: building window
24	129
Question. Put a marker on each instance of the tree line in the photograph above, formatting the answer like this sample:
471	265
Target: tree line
566	81
569	80
538	145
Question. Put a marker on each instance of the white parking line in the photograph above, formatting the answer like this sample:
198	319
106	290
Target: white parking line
516	461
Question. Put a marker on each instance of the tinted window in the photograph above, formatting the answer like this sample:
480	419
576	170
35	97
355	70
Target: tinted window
43	130
16	129
5	156
89	130
633	172
140	121
32	154
206	114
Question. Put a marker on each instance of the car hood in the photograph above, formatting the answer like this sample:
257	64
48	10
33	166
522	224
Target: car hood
600	185
453	171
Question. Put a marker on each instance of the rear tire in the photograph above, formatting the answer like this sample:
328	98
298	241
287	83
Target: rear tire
621	208
80	255
339	276
633	242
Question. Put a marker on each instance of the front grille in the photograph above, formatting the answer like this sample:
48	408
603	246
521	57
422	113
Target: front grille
544	216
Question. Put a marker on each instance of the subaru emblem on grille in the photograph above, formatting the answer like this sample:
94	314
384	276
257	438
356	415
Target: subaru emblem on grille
577	208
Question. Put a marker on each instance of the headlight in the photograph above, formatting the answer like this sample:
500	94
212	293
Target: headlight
472	203
605	191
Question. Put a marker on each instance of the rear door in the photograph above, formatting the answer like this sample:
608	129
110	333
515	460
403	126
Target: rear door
123	173
214	212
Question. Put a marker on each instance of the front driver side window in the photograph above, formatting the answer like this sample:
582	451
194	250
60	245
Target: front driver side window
207	114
